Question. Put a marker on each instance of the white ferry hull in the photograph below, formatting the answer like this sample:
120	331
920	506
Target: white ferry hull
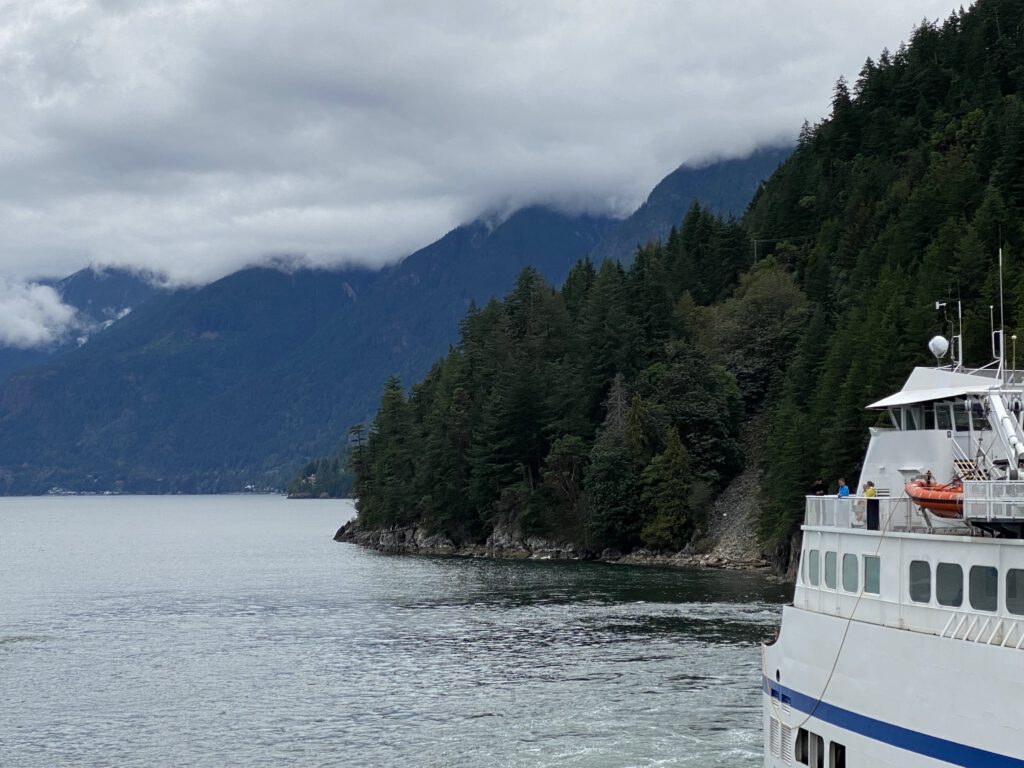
890	697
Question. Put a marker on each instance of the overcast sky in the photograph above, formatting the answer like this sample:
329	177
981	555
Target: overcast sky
194	137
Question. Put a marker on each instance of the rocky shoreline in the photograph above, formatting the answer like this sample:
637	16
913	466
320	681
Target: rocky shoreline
505	545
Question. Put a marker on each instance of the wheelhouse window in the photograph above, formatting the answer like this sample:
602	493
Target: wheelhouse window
978	419
943	420
850	572
896	415
949	584
872	574
830	570
920	581
961	418
1015	591
911	418
929	416
983	590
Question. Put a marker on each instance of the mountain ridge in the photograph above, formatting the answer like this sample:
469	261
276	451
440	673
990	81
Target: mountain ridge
240	382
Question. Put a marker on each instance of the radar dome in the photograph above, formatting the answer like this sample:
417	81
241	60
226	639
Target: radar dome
938	346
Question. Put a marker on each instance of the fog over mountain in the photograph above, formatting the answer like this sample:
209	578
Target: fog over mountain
195	138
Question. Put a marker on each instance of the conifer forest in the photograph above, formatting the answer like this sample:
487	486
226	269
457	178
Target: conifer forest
608	410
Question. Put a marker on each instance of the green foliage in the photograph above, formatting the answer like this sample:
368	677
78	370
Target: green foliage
911	187
329	477
667	485
552	414
608	412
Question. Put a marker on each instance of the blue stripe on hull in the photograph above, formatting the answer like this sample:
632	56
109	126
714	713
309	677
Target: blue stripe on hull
887	733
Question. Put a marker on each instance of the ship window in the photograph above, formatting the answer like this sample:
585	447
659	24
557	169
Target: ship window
910	418
817	756
960	418
836	755
978	416
1015	591
830	570
942	417
872	574
949	584
800	748
984	588
813	575
850	572
929	417
920	581
896	416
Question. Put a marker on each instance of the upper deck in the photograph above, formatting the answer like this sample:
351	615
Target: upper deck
917	572
988	504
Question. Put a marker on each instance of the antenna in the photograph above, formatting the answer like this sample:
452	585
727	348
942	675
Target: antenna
1002	325
956	336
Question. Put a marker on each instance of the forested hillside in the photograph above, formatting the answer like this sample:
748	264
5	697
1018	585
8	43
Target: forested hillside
608	411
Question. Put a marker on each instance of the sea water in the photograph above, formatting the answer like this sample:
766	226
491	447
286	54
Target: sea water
232	631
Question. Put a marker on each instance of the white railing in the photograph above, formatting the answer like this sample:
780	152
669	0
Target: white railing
990	630
994	500
852	512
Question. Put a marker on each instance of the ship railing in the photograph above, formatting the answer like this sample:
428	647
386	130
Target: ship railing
993	500
990	630
852	512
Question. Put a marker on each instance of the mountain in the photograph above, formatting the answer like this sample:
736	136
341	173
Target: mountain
235	383
100	296
724	188
242	381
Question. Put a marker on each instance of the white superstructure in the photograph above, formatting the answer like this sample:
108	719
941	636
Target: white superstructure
904	645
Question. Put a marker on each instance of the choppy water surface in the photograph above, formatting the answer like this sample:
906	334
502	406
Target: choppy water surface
231	631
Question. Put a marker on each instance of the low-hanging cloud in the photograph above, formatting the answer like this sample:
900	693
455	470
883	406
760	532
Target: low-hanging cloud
33	315
194	137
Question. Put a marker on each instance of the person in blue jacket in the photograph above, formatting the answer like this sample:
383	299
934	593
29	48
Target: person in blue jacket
844	490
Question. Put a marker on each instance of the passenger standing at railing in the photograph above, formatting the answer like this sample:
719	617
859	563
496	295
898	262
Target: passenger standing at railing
844	490
818	488
872	503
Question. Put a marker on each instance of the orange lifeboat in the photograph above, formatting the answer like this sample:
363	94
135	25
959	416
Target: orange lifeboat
942	499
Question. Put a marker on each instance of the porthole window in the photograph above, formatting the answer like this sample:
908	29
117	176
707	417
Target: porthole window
830	570
872	574
1015	591
984	588
851	568
949	584
920	581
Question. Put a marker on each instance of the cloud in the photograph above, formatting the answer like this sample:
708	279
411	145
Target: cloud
33	315
192	137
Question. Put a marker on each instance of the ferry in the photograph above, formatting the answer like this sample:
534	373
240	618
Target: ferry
904	644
